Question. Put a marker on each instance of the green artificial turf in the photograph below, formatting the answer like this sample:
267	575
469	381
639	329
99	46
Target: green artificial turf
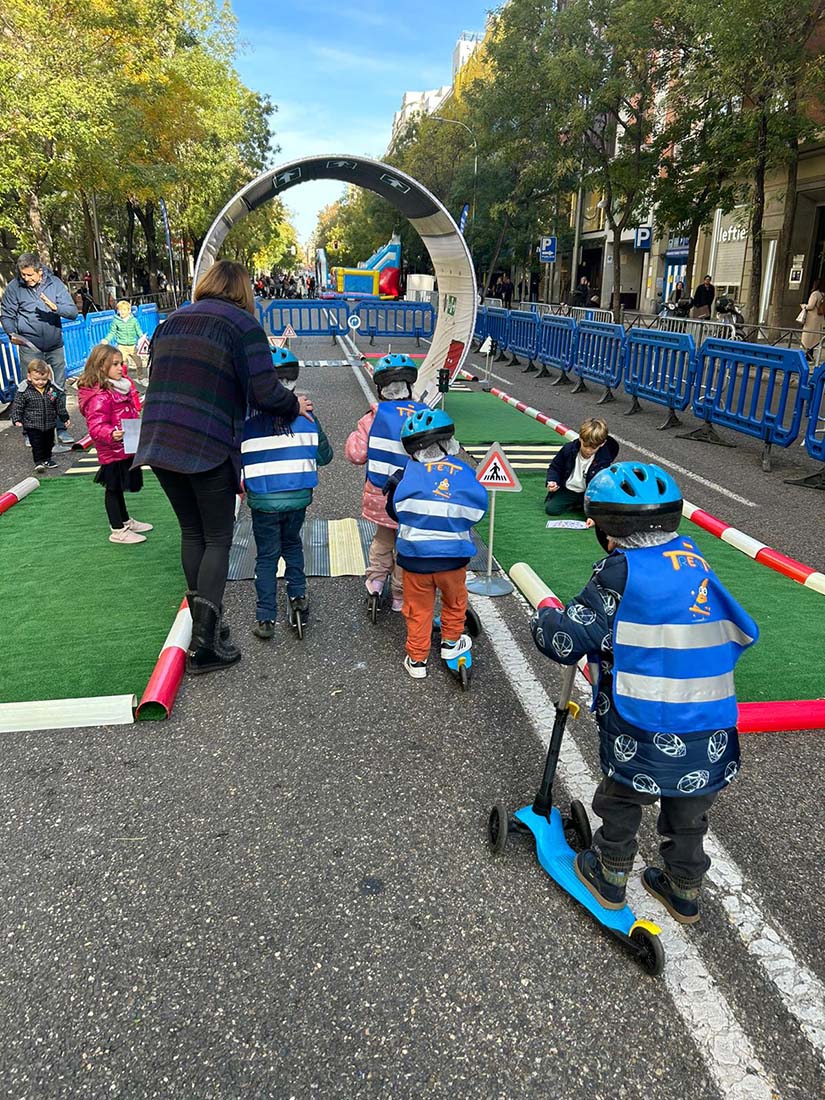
480	418
786	612
83	616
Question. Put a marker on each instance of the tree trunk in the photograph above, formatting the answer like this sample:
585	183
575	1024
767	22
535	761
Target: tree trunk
615	298
147	223
89	248
130	247
38	227
784	243
499	244
757	218
693	237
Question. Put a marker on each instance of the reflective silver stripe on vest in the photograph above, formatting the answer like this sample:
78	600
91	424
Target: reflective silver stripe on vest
660	689
282	466
383	467
382	444
441	508
674	636
271	442
418	534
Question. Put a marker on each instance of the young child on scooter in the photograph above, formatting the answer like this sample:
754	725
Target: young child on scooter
376	442
575	466
436	501
665	635
280	469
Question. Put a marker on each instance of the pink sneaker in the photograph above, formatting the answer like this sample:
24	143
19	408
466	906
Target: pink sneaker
136	525
375	587
125	534
398	603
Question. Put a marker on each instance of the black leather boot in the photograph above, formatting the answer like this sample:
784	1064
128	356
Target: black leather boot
223	634
205	653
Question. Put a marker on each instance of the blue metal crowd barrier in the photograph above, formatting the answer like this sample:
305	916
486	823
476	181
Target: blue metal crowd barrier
599	356
747	387
523	338
498	328
480	330
557	346
310	317
815	431
9	369
148	317
398	319
77	344
98	324
659	366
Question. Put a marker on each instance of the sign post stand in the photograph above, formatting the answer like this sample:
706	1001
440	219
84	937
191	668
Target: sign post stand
496	475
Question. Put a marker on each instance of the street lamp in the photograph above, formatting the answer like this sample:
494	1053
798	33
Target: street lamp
455	122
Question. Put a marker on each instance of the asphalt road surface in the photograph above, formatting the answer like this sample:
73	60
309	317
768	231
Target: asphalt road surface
285	891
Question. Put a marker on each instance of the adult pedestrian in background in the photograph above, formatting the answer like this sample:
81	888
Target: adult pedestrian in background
703	300
210	362
31	313
582	292
812	321
507	291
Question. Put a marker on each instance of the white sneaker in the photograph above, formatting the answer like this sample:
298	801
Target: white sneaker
455	649
125	534
416	669
136	525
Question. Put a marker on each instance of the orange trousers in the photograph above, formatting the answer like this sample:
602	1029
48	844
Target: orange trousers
419	603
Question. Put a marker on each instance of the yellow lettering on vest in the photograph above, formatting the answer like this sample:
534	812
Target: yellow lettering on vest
691	558
442	464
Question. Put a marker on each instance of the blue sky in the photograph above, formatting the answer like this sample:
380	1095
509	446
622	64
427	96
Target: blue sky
337	73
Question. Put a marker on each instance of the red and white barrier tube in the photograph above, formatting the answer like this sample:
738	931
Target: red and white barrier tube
82	444
17	492
159	697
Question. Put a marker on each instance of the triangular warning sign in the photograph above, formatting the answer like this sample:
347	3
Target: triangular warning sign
495	472
289	333
277	341
486	347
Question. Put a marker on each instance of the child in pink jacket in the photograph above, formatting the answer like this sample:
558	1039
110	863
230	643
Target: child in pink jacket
106	398
376	443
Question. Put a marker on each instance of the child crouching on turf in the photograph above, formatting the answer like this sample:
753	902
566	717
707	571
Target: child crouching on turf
575	466
280	469
436	501
106	398
666	635
37	407
377	442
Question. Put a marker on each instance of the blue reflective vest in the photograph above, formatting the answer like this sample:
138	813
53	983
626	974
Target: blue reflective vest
437	504
677	636
385	451
279	463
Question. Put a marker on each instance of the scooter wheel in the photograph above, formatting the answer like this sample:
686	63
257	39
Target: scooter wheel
464	677
579	824
373	608
299	625
651	954
472	623
498	826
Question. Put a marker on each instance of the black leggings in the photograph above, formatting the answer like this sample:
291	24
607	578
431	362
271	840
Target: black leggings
205	506
116	508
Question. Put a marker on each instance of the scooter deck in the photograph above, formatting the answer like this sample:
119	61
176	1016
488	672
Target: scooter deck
556	857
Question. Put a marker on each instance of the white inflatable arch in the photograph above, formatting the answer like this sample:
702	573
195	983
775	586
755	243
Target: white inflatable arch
444	242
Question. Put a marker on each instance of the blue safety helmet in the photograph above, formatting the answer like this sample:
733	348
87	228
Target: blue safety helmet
629	497
394	368
286	364
425	427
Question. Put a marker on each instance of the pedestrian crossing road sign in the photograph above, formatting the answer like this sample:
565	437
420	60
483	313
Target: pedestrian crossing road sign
289	333
495	472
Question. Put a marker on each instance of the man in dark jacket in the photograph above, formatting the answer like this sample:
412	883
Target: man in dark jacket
665	636
703	300
32	308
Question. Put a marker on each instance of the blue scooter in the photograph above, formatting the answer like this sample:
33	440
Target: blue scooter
461	667
552	834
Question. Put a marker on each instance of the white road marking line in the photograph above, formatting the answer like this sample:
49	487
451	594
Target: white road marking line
648	454
728	1054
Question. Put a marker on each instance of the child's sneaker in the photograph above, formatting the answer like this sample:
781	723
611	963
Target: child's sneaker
682	904
375	587
51	465
264	629
39	467
125	535
416	669
60	449
607	887
398	603
136	525
455	649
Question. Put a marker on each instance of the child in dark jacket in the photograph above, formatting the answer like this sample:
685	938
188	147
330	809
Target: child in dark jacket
665	635
38	406
436	502
280	470
575	466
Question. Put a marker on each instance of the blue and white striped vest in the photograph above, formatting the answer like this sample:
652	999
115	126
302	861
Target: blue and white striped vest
437	504
677	636
279	463
385	452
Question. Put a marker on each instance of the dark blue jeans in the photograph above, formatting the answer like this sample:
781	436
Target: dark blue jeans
277	535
